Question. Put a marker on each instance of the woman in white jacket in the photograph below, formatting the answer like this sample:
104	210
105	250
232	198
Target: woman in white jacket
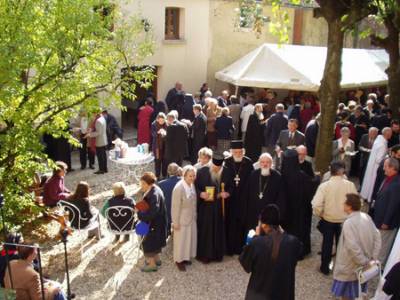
359	243
184	219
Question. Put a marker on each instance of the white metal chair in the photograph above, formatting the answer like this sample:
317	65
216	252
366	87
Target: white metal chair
121	220
75	216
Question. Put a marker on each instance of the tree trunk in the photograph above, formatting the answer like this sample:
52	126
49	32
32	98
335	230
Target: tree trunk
393	71
329	94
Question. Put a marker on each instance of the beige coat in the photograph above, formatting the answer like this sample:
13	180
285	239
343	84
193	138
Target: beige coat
359	243
184	214
329	199
26	281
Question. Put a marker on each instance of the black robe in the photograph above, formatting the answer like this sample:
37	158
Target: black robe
199	132
306	167
254	137
271	280
235	205
300	189
210	223
274	193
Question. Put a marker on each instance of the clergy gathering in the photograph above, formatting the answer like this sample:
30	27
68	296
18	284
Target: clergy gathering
149	152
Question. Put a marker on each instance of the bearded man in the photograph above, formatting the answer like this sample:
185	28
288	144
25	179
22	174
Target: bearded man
235	175
265	186
210	222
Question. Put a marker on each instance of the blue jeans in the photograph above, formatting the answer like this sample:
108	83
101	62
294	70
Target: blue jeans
330	231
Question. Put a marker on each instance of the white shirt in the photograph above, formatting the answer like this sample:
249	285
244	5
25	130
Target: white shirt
247	111
189	190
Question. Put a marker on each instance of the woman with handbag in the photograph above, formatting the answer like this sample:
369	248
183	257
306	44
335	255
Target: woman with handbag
358	247
156	218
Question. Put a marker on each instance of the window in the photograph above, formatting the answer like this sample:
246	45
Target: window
172	16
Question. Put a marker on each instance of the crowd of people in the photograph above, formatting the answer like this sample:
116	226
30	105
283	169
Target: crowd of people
235	176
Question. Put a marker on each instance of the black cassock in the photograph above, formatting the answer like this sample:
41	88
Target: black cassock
210	224
235	176
271	188
300	189
254	137
271	280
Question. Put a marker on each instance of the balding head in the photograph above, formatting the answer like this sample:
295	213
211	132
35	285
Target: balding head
279	107
387	133
302	152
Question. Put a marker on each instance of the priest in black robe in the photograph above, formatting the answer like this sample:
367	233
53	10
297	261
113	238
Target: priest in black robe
305	165
210	222
265	186
254	138
271	258
300	189
236	172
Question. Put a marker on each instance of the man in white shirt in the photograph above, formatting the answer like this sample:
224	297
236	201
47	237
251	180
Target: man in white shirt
328	205
247	111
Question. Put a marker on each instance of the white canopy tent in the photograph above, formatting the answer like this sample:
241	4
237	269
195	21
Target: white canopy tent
301	68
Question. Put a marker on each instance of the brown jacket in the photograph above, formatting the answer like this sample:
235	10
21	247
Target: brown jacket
26	281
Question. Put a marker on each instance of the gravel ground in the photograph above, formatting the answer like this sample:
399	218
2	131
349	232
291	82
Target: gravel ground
112	272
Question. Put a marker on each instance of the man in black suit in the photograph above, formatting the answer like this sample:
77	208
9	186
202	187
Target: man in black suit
173	95
223	100
395	139
387	207
311	135
365	146
199	132
275	124
176	148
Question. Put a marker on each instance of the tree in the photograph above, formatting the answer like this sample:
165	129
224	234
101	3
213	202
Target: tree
57	57
388	14
341	16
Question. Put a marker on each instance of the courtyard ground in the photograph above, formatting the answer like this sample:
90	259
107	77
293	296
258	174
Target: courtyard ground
113	272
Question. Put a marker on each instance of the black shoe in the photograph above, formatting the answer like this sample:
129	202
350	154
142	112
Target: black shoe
187	262
70	170
323	271
91	167
83	168
99	172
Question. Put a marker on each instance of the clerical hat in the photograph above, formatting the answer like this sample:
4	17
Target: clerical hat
237	144
270	215
217	161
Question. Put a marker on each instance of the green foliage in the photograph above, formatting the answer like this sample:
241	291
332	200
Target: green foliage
57	58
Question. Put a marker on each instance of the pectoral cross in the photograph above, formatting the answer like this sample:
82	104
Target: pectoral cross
260	195
237	180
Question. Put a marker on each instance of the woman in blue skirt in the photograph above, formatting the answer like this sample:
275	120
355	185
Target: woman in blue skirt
359	243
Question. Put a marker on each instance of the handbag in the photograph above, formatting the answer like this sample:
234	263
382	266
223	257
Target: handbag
368	272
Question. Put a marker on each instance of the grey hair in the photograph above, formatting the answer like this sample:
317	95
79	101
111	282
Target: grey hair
206	152
173	169
386	129
173	114
188	168
265	155
373	129
345	129
393	163
279	107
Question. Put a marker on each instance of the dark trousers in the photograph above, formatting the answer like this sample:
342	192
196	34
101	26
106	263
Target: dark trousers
85	154
102	158
161	168
330	231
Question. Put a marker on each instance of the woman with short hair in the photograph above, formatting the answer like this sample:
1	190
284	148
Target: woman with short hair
156	218
184	218
119	199
359	243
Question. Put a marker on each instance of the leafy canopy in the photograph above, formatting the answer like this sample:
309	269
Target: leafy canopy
58	57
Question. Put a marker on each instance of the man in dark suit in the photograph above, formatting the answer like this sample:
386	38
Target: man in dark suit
172	96
199	132
176	148
223	100
395	139
311	135
288	139
383	119
387	207
275	124
305	165
365	146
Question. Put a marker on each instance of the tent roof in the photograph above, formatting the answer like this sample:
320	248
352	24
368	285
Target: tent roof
301	68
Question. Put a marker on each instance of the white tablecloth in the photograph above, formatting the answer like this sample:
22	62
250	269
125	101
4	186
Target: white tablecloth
133	157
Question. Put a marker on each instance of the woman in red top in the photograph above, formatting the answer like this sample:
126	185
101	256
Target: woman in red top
144	117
